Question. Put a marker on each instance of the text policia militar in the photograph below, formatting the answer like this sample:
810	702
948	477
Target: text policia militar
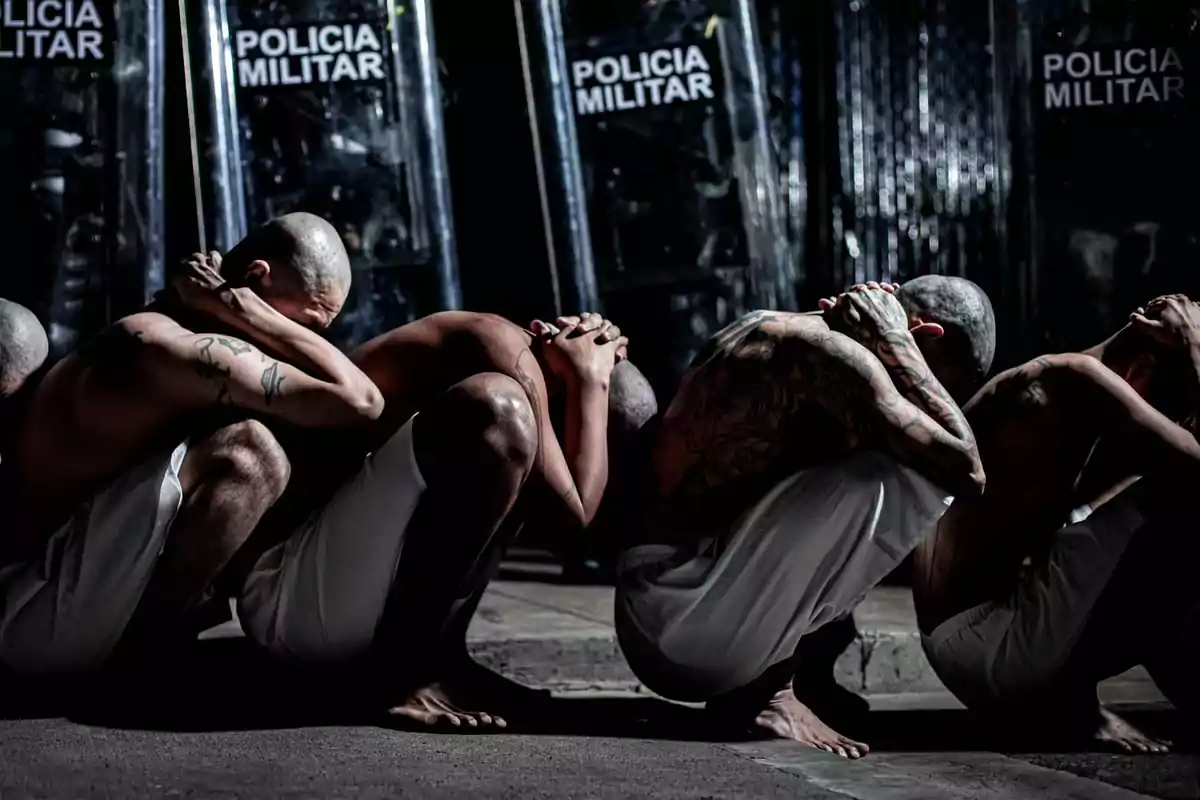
308	54
67	30
1114	76
637	80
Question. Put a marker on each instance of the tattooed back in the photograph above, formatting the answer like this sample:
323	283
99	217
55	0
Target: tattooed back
763	400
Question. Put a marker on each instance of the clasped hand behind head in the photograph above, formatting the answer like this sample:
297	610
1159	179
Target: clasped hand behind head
579	348
297	264
1172	320
869	310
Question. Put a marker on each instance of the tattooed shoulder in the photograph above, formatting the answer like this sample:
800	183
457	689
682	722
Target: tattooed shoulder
732	338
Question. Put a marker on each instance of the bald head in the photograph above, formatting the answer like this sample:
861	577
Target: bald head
297	263
23	346
961	358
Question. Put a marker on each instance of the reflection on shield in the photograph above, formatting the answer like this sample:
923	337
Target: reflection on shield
332	107
659	170
1101	131
81	161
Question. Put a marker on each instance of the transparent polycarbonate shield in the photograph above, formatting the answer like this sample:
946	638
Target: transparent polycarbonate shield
81	160
660	181
662	156
1093	93
333	107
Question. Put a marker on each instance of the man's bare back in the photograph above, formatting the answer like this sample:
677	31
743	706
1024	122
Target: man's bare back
416	363
1046	434
721	446
467	407
93	415
786	429
141	456
1035	437
144	384
1060	437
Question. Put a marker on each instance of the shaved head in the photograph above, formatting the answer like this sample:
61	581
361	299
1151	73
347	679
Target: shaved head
296	261
23	346
962	357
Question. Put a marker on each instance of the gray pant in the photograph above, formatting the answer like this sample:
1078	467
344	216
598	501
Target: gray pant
1114	591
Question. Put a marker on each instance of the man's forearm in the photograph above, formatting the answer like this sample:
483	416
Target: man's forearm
291	341
586	443
899	354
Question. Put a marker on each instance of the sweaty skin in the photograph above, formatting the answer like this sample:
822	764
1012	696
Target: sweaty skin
147	383
414	367
414	364
776	393
1056	433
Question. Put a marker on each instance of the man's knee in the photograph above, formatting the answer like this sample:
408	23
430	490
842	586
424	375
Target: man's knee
497	407
249	453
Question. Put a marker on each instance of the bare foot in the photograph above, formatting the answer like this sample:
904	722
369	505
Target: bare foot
436	704
1116	732
788	718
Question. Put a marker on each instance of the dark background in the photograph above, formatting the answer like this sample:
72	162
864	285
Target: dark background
905	145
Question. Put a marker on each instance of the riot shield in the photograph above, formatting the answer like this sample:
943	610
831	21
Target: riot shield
80	160
660	179
890	152
333	107
1101	212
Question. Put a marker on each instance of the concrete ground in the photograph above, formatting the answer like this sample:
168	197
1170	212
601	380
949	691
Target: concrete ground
221	725
60	759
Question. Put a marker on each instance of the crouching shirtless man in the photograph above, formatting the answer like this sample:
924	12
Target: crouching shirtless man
803	457
137	471
1055	579
422	506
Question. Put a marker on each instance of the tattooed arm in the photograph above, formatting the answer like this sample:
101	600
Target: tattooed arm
194	371
896	396
246	312
900	356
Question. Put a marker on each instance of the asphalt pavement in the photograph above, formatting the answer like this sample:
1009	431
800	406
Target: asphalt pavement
238	734
220	722
59	758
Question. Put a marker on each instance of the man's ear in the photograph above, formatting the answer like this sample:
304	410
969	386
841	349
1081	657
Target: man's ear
258	272
927	329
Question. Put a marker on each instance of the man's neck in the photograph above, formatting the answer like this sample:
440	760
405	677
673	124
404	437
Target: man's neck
1118	351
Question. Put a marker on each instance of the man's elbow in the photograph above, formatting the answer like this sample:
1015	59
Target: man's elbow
969	479
972	486
367	403
572	516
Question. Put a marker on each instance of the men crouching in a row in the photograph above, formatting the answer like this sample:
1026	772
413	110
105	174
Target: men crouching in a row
140	466
804	456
